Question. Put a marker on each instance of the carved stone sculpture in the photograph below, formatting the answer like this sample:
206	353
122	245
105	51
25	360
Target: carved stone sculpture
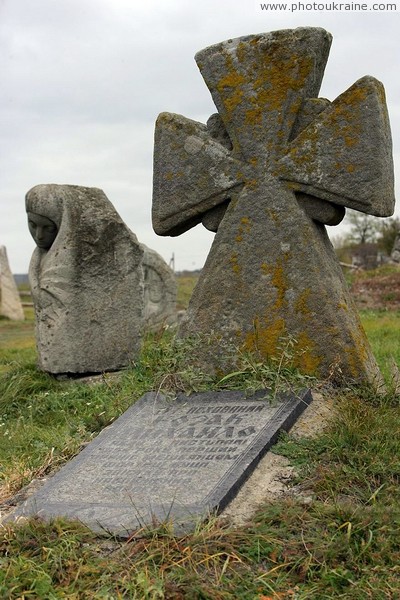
159	291
86	280
266	173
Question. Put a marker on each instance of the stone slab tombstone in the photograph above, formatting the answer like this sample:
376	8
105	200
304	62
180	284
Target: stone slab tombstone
159	291
267	173
86	279
10	302
167	460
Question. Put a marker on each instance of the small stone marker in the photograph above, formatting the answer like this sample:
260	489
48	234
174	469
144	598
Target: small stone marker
10	302
167	460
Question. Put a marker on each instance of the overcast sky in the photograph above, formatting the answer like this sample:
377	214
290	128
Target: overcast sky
82	83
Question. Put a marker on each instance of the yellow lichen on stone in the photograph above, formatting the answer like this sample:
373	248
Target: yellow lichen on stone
280	76
357	351
252	184
301	304
273	215
265	339
232	81
170	175
273	76
333	331
278	279
269	340
350	133
244	228
347	117
236	268
343	306
242	52
305	357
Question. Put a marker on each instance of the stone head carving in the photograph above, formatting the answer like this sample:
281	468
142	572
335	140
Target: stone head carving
43	230
44	208
86	280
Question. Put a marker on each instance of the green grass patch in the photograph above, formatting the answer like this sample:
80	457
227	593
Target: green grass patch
186	285
343	543
383	331
44	421
381	271
352	275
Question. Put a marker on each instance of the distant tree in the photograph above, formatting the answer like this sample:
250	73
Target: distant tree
388	230
364	228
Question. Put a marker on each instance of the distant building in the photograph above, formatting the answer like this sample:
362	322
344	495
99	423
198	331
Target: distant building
367	256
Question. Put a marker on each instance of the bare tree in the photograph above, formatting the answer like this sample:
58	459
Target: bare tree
388	231
364	228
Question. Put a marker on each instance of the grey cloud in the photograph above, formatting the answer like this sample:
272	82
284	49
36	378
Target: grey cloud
84	80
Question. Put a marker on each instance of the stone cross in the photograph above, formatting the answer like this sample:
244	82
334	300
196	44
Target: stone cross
267	173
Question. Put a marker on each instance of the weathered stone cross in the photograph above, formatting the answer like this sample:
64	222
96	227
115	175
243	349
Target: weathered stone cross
276	164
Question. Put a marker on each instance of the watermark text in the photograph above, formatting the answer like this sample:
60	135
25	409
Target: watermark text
329	6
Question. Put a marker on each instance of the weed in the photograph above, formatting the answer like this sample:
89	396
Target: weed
278	374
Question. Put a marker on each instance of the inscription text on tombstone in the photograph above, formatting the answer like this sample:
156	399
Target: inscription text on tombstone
167	459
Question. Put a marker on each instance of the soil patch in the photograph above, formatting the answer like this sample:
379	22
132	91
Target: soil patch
378	292
273	477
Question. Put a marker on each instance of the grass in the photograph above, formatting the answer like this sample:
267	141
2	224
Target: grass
352	275
383	331
186	285
343	543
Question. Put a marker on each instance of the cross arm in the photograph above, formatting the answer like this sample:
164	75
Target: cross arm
193	173
259	82
345	155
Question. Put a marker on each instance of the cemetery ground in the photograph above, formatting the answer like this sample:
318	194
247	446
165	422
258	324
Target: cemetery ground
334	534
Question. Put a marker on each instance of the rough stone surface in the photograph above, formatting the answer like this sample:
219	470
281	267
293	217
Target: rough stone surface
296	162
197	153
10	302
327	213
87	287
167	460
345	155
159	291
